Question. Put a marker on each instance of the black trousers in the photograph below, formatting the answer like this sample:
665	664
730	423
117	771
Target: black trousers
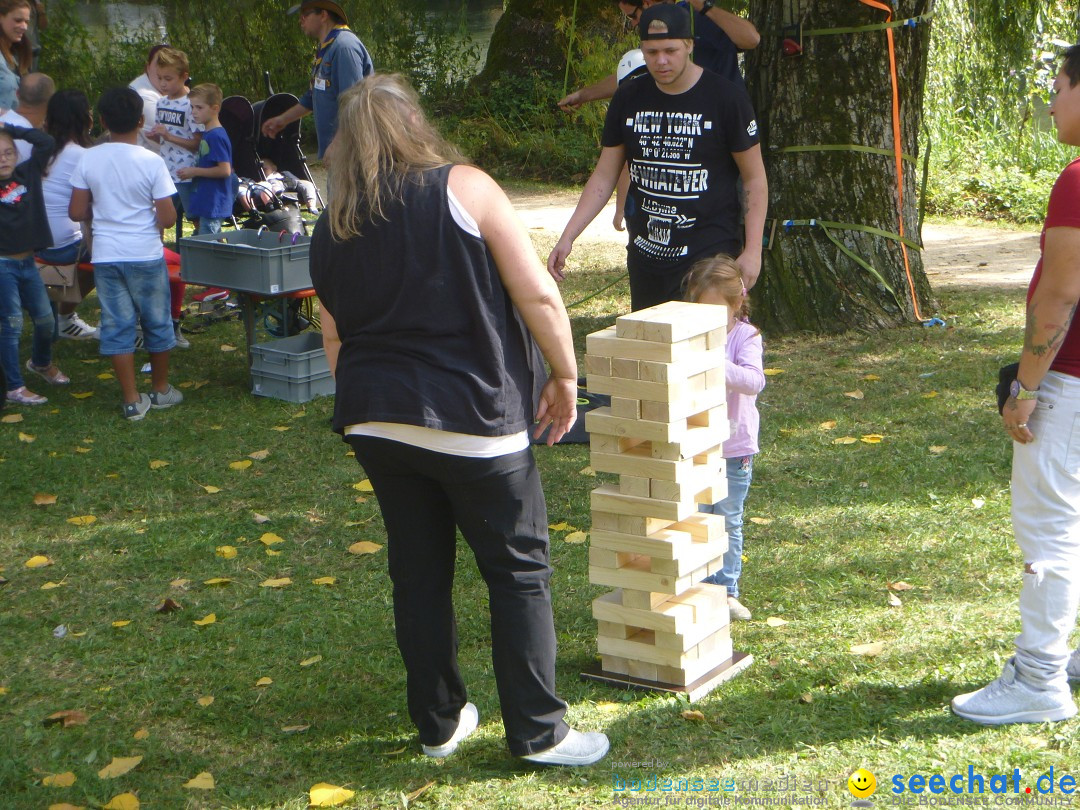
499	506
649	287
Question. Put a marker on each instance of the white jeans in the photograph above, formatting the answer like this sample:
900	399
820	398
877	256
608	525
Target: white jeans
1046	522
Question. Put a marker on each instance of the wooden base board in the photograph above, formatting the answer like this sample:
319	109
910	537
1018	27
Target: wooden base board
738	662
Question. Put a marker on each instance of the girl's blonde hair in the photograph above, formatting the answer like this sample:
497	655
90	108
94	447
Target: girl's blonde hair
382	139
19	54
722	274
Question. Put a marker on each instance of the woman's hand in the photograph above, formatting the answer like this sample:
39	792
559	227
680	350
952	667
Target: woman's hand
558	408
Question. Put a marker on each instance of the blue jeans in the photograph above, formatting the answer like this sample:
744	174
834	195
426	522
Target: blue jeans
740	472
208	225
21	288
130	293
67	254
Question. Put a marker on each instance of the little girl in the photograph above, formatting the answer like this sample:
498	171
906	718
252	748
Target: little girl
718	280
24	228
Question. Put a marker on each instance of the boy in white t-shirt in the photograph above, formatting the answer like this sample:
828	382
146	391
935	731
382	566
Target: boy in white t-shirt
127	192
175	129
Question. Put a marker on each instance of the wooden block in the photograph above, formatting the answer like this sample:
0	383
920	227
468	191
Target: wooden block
714	459
602	420
700	606
642	600
606	343
699	382
643	670
714	377
710	417
663	544
599	443
610	558
637	389
615	665
641	526
598	365
690	558
694	363
636	576
702	527
682	404
656	411
607	521
713	494
633	485
626	407
639	647
624	368
638	461
671	322
608	499
671	451
717	338
614	630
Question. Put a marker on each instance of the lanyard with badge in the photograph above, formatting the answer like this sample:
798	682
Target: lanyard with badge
319	82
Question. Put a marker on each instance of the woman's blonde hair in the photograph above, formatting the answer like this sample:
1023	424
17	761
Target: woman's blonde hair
722	274
382	139
19	54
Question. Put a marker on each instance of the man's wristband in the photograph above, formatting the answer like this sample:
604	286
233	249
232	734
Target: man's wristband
706	5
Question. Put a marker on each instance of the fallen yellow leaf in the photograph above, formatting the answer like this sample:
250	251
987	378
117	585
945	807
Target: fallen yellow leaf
856	394
38	561
587	471
141	734
324	581
761	521
122	801
226	552
81	520
217	581
66	779
899	586
363	486
204	781
259	518
693	714
930	395
66	806
185	384
938	449
325	795
845	440
978	503
3	690
205	700
48	586
829	425
259	455
364	547
179	583
12	418
869	650
225	347
561	527
82	394
270	539
67	718
157	464
775	621
295	729
26	437
271	553
211	489
121	623
894	600
44	499
82	449
243	464
280	428
576	537
772	372
209	618
264	681
307	662
105	375
872	438
279	582
119	766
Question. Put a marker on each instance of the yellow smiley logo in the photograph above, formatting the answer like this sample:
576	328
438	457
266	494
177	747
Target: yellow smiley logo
862	784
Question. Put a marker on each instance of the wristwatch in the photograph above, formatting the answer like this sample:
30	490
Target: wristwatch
706	5
1017	390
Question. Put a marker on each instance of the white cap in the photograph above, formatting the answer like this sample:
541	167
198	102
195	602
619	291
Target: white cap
632	64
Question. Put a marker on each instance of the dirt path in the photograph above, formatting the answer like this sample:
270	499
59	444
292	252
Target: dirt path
954	255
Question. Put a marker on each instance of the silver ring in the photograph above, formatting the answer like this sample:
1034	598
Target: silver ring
1021	424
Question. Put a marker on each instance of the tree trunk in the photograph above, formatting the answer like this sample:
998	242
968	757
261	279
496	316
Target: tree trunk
531	35
838	92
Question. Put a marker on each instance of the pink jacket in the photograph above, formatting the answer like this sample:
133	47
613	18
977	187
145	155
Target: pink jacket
745	379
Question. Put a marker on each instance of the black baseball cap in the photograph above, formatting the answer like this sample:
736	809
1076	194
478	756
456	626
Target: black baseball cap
665	21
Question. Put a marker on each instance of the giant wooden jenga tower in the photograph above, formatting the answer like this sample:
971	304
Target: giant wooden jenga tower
662	434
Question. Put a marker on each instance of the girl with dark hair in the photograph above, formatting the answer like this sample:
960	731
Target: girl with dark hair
68	120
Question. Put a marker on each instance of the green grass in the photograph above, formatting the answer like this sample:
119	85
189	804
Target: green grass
845	521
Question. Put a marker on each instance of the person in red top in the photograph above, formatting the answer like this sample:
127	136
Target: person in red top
1042	415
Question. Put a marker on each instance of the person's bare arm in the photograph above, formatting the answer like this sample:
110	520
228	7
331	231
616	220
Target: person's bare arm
755	204
163	134
330	338
216	171
533	292
594	197
164	212
79	208
740	30
1050	313
272	126
605	88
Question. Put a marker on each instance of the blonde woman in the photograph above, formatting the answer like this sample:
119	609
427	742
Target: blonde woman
16	51
431	298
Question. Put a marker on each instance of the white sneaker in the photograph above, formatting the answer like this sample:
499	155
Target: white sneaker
1072	669
467	721
181	341
575	749
739	612
73	327
1008	700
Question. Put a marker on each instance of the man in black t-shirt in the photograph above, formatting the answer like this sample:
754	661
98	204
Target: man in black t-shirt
688	135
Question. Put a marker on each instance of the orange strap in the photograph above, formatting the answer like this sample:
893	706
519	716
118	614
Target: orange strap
897	147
